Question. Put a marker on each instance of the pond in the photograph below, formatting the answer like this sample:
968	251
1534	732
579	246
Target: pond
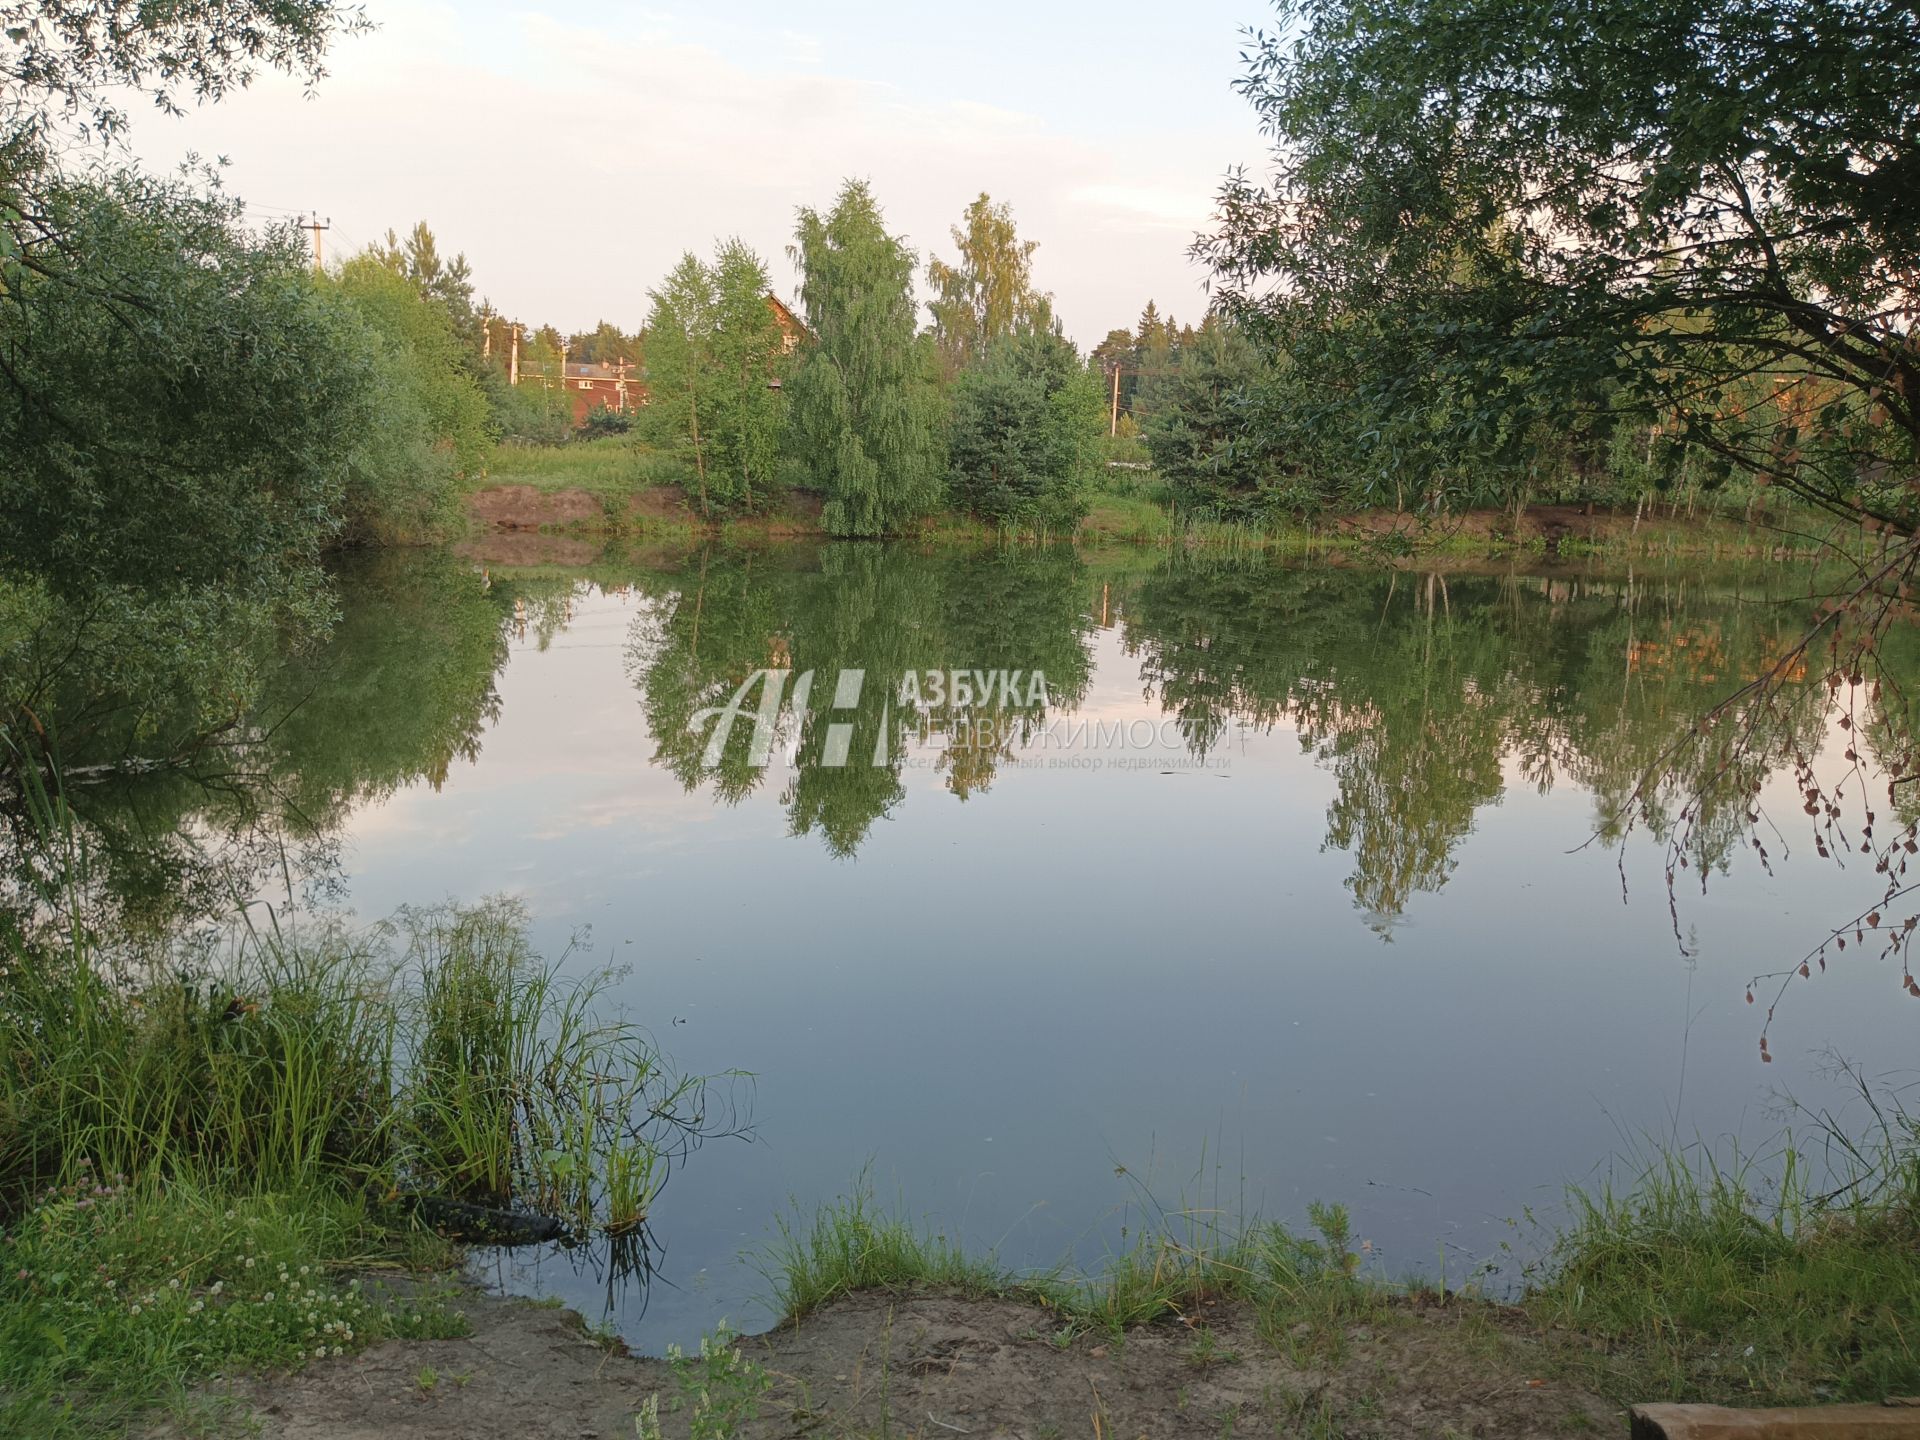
1284	882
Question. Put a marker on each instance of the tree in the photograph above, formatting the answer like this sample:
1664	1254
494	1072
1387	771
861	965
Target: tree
680	375
175	517
433	423
751	363
864	417
1200	432
1506	213
716	360
67	60
605	344
989	293
1026	428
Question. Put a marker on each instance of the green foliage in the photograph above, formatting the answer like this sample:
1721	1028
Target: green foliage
115	1295
605	344
172	517
1027	427
849	1246
988	295
1741	1281
69	60
1198	429
865	415
209	458
537	411
453	1063
603	422
1500	221
720	1389
431	426
534	412
447	284
612	467
1181	1261
716	356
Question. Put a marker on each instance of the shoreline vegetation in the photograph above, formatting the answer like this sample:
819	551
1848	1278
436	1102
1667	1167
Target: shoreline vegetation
1637	278
209	1160
615	488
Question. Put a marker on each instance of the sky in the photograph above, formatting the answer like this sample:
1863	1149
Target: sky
574	152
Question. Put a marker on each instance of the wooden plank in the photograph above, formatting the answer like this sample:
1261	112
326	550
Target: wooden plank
1895	1420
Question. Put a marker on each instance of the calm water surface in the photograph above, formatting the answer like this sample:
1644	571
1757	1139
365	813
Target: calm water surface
1322	927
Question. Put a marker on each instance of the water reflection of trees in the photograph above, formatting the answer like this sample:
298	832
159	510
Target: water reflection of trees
1427	695
400	690
886	611
1423	696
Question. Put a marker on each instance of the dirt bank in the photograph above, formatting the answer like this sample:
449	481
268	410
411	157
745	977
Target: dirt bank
938	1366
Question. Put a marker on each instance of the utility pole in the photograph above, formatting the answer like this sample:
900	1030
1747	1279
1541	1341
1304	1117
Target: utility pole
316	227
513	362
1113	416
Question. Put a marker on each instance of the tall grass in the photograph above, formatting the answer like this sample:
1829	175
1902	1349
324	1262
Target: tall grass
438	1056
195	1144
1742	1278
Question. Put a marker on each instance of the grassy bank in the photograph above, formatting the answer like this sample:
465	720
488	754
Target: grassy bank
610	466
613	486
1690	1285
197	1149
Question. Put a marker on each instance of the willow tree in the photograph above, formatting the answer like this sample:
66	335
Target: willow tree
864	412
988	294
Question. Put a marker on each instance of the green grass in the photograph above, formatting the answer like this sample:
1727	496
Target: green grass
187	1143
1187	1261
849	1246
1742	1283
614	465
116	1296
1696	1282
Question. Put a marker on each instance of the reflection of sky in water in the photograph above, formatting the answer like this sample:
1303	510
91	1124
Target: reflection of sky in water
996	1003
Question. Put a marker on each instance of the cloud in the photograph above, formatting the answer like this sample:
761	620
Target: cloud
573	162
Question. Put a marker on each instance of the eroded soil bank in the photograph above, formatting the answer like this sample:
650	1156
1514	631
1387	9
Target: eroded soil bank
933	1365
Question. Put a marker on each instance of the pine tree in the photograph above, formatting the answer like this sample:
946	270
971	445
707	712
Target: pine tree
864	411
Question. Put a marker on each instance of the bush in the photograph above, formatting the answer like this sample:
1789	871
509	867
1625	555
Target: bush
1204	433
1026	438
431	426
602	421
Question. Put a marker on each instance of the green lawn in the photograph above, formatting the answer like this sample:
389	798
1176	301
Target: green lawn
616	465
